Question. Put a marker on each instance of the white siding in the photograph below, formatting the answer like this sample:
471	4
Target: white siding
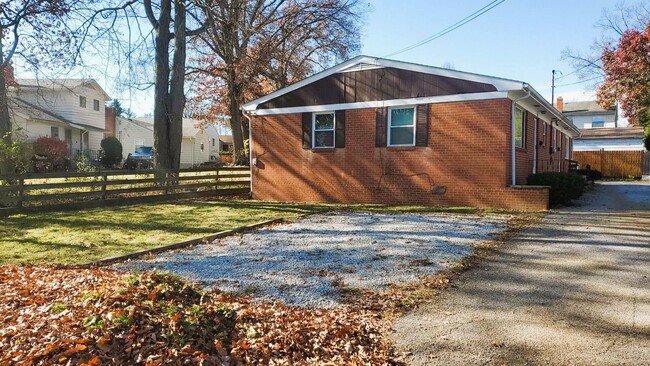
65	103
608	145
584	122
191	153
129	133
94	140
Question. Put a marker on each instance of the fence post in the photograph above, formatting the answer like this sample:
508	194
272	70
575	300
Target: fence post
166	184
104	182
216	186
21	192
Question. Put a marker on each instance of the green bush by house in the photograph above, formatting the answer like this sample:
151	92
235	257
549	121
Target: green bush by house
111	153
564	186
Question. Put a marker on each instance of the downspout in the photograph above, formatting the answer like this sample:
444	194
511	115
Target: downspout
513	166
250	146
536	143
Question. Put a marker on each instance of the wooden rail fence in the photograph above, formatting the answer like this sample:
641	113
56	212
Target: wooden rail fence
70	188
615	164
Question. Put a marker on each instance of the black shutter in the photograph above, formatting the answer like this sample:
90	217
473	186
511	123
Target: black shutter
306	130
381	127
340	129
422	125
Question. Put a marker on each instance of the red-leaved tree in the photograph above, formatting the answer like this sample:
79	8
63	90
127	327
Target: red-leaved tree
626	66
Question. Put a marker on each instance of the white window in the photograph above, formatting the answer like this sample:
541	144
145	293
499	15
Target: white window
324	125
567	150
54	131
96	104
520	128
401	126
82	102
598	122
544	128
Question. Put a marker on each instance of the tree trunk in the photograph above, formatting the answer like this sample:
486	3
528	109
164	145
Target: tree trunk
236	127
161	88
5	121
177	87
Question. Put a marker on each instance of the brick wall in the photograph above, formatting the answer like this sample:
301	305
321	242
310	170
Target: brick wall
468	158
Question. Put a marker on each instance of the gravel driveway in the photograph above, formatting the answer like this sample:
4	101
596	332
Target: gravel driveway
574	290
304	262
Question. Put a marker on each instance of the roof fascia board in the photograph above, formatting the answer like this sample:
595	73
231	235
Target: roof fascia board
534	94
382	103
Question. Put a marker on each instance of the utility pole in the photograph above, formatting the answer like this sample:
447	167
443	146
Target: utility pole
553	87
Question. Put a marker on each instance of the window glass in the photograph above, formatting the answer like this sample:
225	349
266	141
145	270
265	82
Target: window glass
96	104
82	102
55	132
567	150
519	128
324	130
598	122
402	127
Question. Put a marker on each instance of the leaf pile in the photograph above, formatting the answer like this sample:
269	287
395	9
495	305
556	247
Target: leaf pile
58	316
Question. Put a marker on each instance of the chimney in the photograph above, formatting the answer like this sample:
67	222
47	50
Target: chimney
109	119
10	79
559	104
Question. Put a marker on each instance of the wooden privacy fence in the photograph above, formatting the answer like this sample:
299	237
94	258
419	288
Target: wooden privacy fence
615	164
38	190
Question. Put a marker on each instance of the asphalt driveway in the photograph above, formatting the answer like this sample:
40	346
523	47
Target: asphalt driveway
574	290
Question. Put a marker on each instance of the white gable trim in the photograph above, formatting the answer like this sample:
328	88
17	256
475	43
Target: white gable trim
382	103
366	62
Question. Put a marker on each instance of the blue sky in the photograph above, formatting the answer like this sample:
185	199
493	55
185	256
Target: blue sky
518	39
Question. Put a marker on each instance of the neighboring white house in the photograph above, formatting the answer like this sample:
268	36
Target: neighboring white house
588	114
199	144
67	109
133	133
610	139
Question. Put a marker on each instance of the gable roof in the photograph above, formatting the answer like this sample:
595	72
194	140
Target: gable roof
33	111
69	84
612	133
586	106
458	86
360	63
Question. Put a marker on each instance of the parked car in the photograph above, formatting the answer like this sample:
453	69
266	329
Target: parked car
142	158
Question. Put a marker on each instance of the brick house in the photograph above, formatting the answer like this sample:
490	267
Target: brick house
373	130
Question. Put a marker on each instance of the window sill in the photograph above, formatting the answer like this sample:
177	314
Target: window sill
323	149
402	148
522	149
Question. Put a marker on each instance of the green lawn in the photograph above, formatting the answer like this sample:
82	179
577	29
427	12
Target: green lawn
86	235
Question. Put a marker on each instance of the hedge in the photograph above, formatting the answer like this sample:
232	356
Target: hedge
564	186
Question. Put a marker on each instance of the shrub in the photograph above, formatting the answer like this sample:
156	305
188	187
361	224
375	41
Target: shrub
15	156
54	149
564	186
590	174
111	152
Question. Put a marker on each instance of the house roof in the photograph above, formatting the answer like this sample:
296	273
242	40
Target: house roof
590	106
62	84
33	111
612	133
227	139
190	128
501	88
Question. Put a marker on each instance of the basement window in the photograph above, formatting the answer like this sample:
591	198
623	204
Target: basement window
401	126
324	125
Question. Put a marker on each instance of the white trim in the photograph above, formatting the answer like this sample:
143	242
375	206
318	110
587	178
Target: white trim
500	84
313	130
415	118
383	103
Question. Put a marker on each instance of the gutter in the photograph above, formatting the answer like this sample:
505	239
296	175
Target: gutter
557	114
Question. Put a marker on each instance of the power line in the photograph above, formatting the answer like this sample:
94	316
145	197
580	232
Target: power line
580	82
451	28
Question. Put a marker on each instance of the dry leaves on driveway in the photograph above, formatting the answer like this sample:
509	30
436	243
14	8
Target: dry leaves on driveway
99	317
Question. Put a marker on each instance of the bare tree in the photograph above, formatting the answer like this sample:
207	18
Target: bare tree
254	46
